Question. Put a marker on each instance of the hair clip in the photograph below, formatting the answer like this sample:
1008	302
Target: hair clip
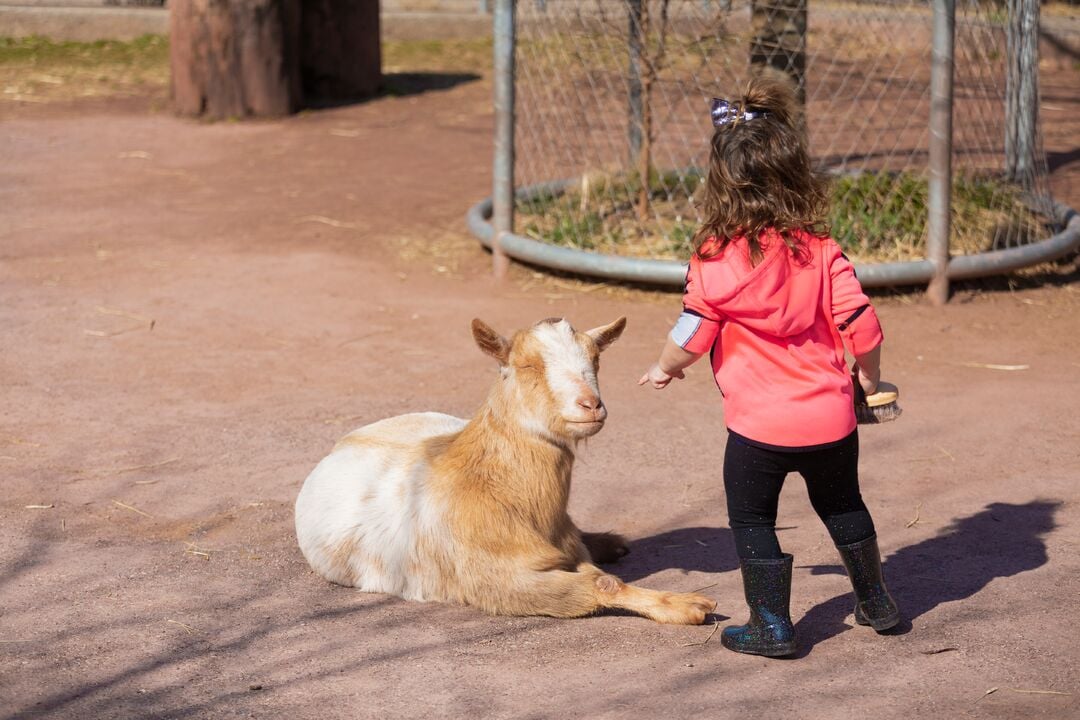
723	113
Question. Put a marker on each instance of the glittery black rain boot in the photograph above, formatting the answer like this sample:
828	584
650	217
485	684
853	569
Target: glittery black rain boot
767	585
873	604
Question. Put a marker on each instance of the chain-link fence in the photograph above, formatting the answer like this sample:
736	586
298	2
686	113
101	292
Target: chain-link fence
612	124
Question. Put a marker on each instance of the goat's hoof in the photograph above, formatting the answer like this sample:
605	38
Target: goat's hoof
684	609
605	547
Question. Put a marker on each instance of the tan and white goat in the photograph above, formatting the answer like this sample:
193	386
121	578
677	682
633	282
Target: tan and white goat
432	507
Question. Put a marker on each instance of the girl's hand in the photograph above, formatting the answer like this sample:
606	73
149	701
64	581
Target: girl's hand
658	378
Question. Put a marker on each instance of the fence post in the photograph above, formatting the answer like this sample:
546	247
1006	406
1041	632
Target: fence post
939	202
502	194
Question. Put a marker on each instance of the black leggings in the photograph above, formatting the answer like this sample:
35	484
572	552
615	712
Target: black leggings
753	477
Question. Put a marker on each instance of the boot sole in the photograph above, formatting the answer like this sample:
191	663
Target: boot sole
879	625
769	651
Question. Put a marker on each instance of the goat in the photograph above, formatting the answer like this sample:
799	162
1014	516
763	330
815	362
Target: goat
431	507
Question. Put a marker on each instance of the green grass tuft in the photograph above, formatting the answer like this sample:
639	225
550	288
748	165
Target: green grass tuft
148	50
875	216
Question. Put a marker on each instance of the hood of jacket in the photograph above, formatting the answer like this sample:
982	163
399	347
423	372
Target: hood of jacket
780	296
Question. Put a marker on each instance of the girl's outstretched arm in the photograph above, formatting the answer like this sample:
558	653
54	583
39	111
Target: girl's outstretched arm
673	360
692	336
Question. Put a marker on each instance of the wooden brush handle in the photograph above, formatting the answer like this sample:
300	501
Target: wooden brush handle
886	393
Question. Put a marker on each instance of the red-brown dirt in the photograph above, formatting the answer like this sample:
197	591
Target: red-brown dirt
192	315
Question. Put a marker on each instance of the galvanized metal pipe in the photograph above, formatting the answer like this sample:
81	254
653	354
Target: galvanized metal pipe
963	267
670	273
503	183
940	185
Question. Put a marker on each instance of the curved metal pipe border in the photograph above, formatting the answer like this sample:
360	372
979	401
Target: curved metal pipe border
673	273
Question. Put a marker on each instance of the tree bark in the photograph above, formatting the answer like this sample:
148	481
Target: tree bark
235	58
636	46
1022	91
340	54
263	58
644	159
779	40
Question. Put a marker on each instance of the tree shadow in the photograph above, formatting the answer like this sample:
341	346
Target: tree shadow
402	84
1057	160
1058	44
414	83
1001	540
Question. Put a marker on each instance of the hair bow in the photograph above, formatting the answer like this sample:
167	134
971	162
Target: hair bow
723	113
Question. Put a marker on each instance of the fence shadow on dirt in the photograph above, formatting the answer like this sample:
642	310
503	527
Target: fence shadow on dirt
326	654
999	541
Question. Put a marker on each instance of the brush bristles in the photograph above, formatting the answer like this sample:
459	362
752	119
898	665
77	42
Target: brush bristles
866	415
878	408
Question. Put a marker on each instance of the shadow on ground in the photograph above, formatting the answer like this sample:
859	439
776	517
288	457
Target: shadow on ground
1001	540
414	83
700	549
1055	160
112	694
398	85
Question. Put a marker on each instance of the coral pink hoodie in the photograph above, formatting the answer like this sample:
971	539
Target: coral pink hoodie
777	333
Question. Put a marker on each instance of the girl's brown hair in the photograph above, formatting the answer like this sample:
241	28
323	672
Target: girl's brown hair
760	176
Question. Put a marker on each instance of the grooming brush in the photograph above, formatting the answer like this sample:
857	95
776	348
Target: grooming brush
877	408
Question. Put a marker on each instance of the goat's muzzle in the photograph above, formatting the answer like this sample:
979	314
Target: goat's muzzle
591	408
589	418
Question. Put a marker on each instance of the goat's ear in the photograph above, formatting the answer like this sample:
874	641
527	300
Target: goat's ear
490	341
604	335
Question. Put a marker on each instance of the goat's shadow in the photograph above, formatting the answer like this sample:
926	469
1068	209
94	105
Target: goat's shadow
1001	540
701	549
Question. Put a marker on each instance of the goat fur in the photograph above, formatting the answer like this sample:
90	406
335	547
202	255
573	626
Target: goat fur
432	507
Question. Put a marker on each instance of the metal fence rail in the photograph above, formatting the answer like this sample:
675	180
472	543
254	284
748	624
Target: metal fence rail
921	110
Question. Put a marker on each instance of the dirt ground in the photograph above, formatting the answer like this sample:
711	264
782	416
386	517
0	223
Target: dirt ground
192	314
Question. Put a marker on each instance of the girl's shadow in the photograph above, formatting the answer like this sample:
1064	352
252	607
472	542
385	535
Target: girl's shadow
999	541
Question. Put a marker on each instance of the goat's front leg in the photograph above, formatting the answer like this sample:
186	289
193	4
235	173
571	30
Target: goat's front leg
562	593
663	607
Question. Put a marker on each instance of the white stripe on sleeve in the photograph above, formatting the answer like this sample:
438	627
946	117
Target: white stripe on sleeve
685	328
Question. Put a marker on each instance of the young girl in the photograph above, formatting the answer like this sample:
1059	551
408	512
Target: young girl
774	301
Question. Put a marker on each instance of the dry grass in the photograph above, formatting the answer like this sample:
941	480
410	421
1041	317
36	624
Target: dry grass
39	70
36	69
876	217
414	56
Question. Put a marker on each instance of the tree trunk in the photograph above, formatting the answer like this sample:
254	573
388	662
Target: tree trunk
241	58
644	159
1022	91
636	46
235	58
780	38
340	58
